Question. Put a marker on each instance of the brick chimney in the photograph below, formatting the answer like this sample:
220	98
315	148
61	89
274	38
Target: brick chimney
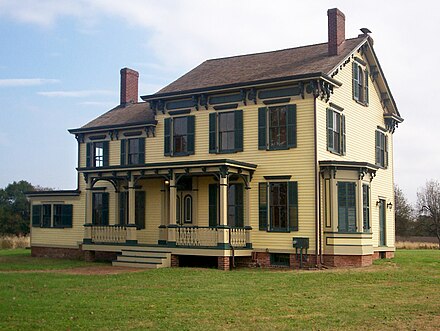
129	86
336	30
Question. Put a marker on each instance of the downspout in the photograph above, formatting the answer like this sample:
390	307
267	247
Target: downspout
317	189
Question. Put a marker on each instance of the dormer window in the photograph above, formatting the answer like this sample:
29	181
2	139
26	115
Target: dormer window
360	84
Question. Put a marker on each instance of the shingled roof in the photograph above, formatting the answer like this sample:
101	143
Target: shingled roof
262	66
128	115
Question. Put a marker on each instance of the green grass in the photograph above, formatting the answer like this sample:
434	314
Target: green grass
403	293
20	259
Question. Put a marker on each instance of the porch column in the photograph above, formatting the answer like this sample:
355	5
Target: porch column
223	229
131	226
172	226
89	213
247	225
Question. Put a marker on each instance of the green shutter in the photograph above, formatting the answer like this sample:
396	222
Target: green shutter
330	139
291	125
293	206
366	96
238	130
343	136
36	215
105	208
386	154
191	132
342	207
212	133
105	150
262	140
239	210
123	201
66	215
355	81
213	204
377	148
89	149
262	206
140	209
167	137
123	151
141	150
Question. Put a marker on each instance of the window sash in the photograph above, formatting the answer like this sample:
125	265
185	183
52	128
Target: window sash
347	207
133	151
278	127
180	135
366	207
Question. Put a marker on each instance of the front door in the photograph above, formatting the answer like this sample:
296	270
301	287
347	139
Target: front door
382	222
184	208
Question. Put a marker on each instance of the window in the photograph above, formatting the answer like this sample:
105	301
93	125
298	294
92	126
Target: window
381	149
179	136
132	151
187	209
346	207
278	206
281	260
360	84
61	217
366	207
139	209
100	208
235	205
335	132
277	127
97	154
226	132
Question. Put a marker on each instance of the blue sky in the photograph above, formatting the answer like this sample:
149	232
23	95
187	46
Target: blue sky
60	62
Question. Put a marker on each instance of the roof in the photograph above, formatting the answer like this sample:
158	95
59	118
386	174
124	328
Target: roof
126	115
297	61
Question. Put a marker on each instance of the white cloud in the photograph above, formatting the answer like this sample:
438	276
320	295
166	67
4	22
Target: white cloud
20	82
75	94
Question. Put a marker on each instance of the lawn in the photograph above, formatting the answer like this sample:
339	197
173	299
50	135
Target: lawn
403	293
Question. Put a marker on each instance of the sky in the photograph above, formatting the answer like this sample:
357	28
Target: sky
60	62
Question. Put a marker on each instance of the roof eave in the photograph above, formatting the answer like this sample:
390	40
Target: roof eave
113	126
316	75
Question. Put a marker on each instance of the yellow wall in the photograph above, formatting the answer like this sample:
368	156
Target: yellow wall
361	125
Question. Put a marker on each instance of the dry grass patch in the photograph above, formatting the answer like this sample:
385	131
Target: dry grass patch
12	242
416	245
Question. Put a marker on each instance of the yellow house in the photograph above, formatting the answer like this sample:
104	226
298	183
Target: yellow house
281	158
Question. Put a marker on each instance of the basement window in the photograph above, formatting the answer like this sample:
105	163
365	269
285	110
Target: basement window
280	260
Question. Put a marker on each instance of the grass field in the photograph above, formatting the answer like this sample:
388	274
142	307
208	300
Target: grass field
403	294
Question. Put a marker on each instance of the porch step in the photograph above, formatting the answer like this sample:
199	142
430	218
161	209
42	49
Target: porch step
143	259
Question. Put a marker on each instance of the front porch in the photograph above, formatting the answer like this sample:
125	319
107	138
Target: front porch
185	208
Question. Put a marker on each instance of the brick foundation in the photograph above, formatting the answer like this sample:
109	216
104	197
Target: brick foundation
262	260
72	254
382	255
58	253
224	262
348	260
174	261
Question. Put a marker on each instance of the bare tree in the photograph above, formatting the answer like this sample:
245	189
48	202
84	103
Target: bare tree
404	213
428	199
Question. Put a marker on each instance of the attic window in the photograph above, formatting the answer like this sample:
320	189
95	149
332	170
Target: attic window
360	84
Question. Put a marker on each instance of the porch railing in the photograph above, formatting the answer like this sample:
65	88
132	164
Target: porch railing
196	236
109	234
206	236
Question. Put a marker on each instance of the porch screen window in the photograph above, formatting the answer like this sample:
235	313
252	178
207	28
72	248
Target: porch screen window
346	207
335	132
381	149
366	207
132	151
226	132
52	215
100	208
277	127
278	206
179	136
235	205
360	84
97	154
